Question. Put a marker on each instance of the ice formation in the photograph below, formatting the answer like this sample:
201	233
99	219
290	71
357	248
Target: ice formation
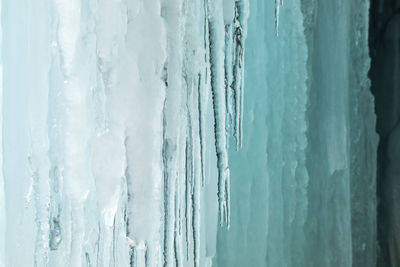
186	133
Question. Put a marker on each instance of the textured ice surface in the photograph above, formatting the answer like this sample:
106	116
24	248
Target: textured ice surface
128	138
303	185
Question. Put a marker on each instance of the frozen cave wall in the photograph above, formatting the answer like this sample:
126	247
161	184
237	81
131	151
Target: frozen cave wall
186	133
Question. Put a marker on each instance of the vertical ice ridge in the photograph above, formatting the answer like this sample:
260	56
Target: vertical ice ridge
278	4
277	9
180	236
196	86
198	178
363	142
127	217
201	128
189	166
55	128
207	67
76	40
169	218
41	216
235	35
141	91
277	75
55	234
205	81
226	54
216	29
295	176
132	258
194	230
120	246
127	167
228	72
240	35
177	234
2	193
175	123
109	156
193	168
187	204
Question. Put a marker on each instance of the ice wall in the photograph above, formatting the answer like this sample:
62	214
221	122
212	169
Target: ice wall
303	186
134	134
116	117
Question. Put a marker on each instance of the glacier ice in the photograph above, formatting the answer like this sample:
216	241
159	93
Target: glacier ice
186	133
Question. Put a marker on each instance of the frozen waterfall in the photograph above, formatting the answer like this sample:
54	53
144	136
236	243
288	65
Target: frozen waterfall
230	133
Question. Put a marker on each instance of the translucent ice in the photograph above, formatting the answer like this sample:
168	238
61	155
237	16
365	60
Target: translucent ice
155	133
303	186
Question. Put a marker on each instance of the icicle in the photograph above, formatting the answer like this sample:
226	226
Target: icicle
207	80
228	202
229	53
169	211
216	29
201	128
235	36
197	185
2	192
195	169
238	69
229	18
278	4
187	202
127	165
242	7
177	259
195	225
227	74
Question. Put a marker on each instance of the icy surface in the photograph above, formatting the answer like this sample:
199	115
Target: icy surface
303	185
135	133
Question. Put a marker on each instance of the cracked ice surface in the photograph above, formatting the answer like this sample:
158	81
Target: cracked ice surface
128	139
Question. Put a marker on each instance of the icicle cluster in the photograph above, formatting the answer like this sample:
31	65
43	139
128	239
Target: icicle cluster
117	134
118	116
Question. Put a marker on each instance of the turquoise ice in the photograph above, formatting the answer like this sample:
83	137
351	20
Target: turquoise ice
303	186
186	133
